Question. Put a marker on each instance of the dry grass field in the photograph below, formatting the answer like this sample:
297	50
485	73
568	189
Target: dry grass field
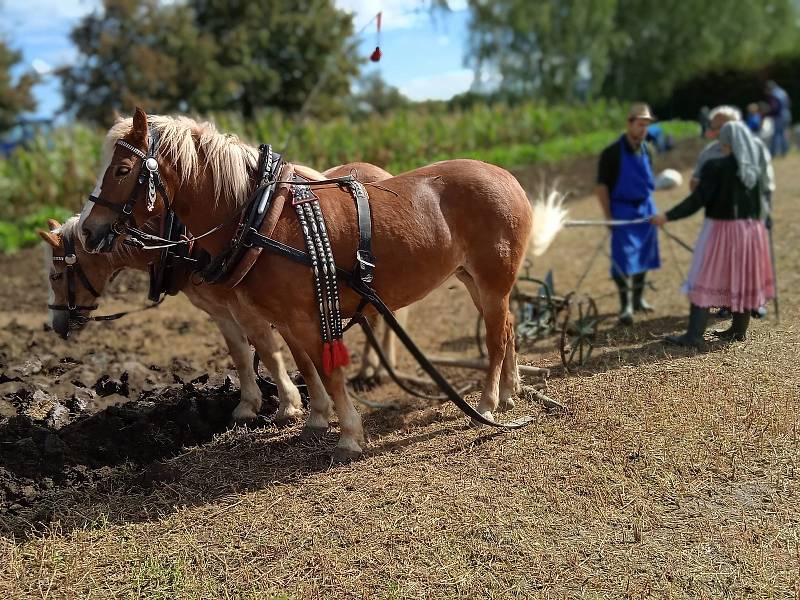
673	474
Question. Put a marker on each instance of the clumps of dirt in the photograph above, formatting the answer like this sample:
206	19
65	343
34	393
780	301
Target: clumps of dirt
51	442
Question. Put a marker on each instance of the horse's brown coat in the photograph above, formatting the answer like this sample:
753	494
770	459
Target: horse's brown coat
461	217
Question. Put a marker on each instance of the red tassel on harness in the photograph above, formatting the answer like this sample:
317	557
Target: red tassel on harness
376	54
341	356
327	358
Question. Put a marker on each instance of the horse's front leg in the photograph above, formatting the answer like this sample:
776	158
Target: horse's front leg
239	348
319	402
253	326
351	437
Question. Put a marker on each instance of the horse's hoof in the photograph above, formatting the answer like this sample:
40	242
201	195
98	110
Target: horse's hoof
242	420
285	418
505	405
478	424
342	456
312	435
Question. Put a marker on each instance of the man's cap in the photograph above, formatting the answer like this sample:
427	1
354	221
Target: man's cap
640	110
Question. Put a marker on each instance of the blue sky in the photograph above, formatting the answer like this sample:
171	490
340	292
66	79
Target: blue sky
422	54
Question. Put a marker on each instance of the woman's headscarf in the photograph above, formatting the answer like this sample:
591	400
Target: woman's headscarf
736	135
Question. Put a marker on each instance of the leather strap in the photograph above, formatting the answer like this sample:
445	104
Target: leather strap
371	296
365	260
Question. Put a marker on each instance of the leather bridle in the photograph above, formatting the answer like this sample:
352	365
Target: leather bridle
148	174
73	272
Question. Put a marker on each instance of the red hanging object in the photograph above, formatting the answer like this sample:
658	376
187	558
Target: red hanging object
341	354
376	54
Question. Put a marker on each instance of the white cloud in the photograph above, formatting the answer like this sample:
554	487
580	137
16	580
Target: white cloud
42	15
438	87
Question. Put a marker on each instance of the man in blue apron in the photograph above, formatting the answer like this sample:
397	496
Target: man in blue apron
625	187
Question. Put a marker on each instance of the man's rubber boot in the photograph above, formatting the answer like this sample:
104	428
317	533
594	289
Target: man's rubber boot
639	303
698	318
737	332
625	300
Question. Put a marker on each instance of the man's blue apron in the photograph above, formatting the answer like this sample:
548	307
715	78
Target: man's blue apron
634	248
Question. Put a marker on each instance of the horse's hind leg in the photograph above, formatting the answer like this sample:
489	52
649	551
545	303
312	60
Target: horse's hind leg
510	383
498	337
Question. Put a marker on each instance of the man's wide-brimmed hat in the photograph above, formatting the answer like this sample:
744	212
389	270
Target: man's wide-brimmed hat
640	110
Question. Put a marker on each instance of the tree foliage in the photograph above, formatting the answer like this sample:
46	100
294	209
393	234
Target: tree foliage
15	93
559	49
209	55
138	54
274	53
375	96
542	47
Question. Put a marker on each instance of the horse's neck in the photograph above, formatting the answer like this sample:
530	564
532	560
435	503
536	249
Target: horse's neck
201	210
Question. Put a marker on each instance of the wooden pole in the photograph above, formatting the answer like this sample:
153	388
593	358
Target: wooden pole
481	364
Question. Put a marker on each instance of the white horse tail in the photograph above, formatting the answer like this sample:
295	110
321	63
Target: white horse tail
549	216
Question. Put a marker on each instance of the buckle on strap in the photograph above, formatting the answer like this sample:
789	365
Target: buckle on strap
366	265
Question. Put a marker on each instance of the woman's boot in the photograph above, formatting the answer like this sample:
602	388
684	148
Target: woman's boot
737	332
698	318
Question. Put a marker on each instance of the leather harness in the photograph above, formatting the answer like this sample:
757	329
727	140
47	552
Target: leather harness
249	236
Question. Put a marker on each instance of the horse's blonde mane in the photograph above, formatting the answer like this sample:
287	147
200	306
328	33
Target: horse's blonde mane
70	228
182	140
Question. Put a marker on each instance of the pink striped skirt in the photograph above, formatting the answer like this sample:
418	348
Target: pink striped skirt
731	266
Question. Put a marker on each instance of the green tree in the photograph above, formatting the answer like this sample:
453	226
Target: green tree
546	47
623	48
374	95
15	93
275	53
138	53
662	43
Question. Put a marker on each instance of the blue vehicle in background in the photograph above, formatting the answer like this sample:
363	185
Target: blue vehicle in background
22	133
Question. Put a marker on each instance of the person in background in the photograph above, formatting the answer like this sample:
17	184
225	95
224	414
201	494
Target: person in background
703	120
780	109
659	139
753	119
625	187
719	116
731	265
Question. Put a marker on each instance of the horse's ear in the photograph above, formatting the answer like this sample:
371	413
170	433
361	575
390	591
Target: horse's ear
53	224
50	237
140	126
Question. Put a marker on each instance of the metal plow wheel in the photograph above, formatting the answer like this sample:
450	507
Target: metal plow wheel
578	332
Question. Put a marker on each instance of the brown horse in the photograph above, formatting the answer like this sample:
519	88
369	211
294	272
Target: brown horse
461	217
100	268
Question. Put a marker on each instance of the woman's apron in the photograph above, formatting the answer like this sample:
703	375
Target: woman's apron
634	248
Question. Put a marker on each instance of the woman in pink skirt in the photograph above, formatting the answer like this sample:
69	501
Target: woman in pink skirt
731	265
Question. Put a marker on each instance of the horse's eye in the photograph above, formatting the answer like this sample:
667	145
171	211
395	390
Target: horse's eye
122	171
55	276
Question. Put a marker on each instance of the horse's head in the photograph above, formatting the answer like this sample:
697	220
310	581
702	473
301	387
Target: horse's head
76	277
134	186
